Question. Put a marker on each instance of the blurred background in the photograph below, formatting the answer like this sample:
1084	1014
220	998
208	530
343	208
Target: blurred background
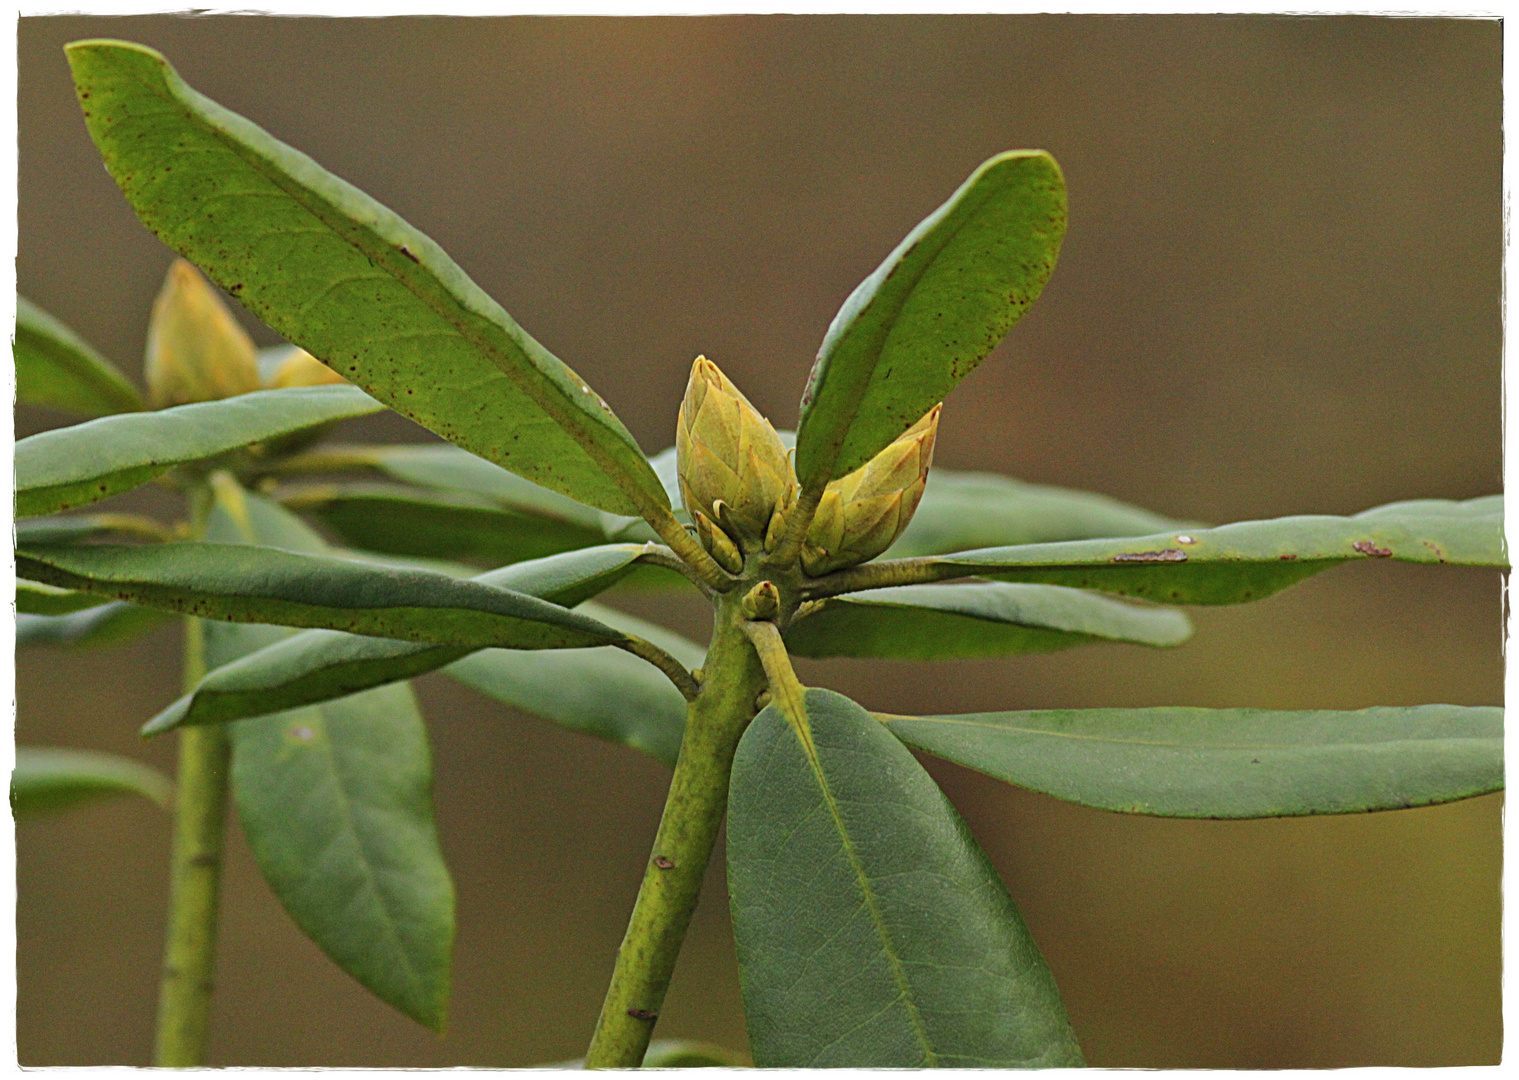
1279	294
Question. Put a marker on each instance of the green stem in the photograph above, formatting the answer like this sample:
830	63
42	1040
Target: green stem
880	575
673	879
184	996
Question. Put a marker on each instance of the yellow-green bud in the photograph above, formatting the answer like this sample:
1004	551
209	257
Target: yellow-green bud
300	368
761	602
860	515
196	349
734	471
717	543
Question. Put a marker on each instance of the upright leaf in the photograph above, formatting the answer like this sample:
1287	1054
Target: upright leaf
336	802
348	280
962	622
931	312
56	367
48	778
871	930
1228	763
74	466
961	511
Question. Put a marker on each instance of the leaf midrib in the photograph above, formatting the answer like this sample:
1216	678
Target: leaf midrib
803	731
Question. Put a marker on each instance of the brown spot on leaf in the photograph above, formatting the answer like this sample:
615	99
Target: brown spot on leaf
1165	555
1368	547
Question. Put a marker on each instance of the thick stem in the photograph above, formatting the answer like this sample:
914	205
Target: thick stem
880	575
184	995
693	814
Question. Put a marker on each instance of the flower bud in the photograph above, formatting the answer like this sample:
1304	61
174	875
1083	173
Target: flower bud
300	368
734	472
862	514
196	349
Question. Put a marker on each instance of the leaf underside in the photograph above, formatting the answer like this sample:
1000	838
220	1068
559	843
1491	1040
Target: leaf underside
1228	763
962	622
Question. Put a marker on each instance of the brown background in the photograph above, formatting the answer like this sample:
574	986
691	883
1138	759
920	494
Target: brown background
1279	293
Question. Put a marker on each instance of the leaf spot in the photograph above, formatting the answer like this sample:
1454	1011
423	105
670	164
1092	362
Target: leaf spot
1165	555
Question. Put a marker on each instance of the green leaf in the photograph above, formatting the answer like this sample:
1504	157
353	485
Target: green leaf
603	692
55	779
112	623
55	367
965	510
961	622
336	802
1228	763
34	598
1248	560
76	528
872	932
320	665
73	466
267	585
931	312
348	280
451	525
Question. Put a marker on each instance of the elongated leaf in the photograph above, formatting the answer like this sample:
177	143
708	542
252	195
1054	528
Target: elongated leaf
961	511
345	278
871	930
320	665
336	802
1228	763
48	778
74	466
931	312
1248	560
34	598
76	528
112	623
959	622
266	585
451	525
56	367
603	692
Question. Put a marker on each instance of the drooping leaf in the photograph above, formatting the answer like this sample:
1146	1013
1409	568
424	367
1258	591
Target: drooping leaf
450	525
268	585
348	280
57	368
961	511
336	803
960	622
74	466
1228	763
603	692
49	778
931	312
1248	560
320	665
112	623
871	930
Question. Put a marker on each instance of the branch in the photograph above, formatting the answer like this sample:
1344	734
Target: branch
674	670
